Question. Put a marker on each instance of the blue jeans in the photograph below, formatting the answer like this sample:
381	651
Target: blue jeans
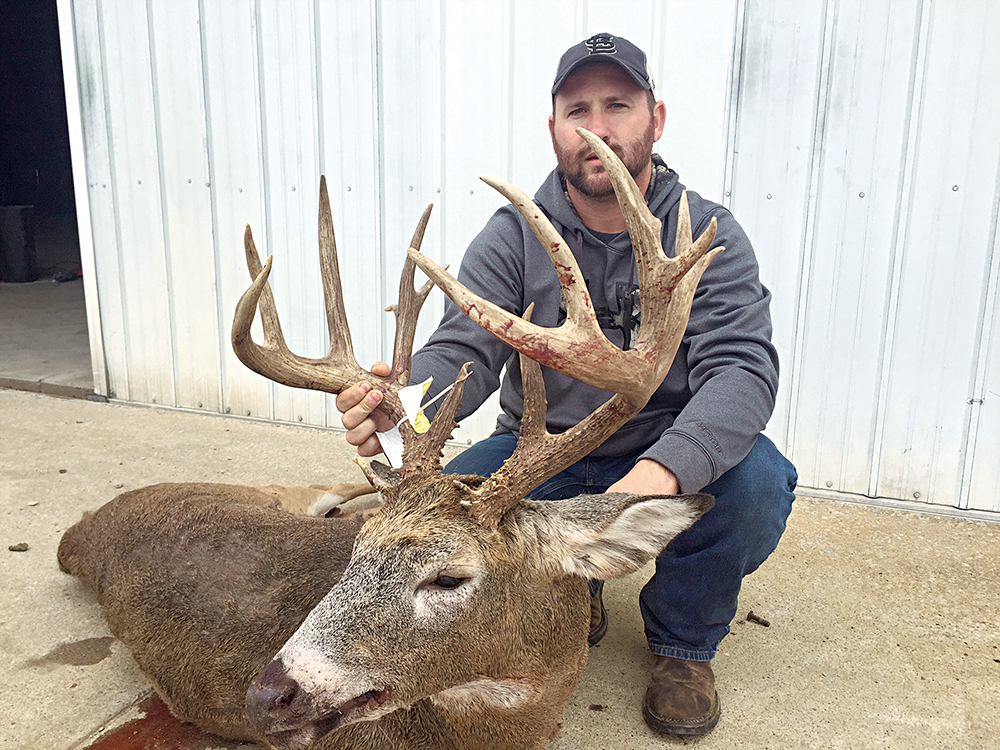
689	602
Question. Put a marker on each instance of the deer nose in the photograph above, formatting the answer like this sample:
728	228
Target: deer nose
275	701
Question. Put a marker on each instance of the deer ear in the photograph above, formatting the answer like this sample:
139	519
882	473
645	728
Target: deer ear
609	535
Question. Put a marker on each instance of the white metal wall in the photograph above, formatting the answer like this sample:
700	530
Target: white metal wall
866	171
855	140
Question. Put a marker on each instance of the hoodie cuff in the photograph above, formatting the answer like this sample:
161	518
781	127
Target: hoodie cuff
688	461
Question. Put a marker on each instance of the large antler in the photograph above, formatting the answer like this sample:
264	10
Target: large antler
339	368
578	347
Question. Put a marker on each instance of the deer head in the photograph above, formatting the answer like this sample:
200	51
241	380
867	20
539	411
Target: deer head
460	591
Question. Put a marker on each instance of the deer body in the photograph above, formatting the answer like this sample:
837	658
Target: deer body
202	583
209	581
454	617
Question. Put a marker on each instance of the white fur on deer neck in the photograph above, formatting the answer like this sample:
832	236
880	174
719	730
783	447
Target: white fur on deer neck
508	695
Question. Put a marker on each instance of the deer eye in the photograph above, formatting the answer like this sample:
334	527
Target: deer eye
448	582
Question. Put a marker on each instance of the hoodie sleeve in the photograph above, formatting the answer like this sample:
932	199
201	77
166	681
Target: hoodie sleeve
732	364
492	267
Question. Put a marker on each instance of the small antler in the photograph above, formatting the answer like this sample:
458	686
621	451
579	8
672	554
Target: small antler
339	368
578	348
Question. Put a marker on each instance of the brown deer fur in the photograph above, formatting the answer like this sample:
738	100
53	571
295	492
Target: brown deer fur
207	582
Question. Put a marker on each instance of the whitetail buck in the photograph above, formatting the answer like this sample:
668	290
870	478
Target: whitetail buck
459	619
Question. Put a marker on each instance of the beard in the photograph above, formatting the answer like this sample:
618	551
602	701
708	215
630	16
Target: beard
594	182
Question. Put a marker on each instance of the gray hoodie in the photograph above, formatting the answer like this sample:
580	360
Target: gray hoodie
719	392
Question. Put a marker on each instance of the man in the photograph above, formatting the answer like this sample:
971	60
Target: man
701	429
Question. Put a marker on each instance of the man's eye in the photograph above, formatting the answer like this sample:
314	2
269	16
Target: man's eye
448	582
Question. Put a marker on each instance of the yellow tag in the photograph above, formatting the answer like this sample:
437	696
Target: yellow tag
410	397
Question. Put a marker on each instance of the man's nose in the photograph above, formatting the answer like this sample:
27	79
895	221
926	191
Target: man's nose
598	125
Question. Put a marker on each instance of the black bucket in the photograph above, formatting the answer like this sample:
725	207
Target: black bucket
18	261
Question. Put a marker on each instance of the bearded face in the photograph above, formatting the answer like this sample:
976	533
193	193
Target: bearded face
605	100
584	172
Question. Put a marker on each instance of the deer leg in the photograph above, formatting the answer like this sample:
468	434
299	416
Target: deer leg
318	499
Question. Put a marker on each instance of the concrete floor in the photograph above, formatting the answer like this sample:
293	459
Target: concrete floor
884	626
44	344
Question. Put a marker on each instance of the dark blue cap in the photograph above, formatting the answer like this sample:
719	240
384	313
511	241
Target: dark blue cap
604	48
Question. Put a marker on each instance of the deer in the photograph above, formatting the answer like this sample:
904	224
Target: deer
456	614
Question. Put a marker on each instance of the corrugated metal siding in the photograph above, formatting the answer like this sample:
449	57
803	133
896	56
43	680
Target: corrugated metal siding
856	142
950	214
867	177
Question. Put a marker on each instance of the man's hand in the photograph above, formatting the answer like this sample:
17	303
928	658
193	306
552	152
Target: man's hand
647	477
357	405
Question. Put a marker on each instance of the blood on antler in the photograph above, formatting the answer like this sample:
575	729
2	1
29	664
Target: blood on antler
577	348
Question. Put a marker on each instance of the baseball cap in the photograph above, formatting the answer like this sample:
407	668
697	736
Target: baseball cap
604	48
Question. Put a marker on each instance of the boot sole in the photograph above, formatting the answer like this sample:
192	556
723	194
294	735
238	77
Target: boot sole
684	728
601	628
599	632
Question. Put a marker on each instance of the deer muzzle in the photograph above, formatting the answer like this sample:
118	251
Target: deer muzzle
289	716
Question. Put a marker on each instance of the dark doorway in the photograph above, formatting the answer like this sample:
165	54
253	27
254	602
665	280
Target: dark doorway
43	328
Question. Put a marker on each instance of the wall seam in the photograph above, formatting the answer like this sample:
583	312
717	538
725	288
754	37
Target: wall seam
125	379
70	57
213	212
808	237
733	101
901	222
161	185
984	342
265	172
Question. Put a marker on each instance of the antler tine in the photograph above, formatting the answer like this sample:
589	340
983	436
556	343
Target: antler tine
246	307
341	347
540	454
532	340
422	452
532	439
407	310
579	309
661	279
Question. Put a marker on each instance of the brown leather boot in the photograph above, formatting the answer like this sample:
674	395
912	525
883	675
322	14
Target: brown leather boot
681	698
598	616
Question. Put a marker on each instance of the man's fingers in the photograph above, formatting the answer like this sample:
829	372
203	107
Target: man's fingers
364	436
362	433
369	448
357	406
351	397
362	409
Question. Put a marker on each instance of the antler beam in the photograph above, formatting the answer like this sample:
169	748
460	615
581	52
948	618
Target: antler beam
578	348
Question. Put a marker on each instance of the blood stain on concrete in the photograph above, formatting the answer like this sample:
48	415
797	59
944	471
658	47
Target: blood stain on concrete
157	730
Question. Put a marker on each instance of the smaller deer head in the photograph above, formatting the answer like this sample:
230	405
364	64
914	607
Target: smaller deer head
460	591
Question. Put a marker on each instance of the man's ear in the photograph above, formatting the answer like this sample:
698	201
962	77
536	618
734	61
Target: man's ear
608	535
659	119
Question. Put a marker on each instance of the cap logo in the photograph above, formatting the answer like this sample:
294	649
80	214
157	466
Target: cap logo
601	44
